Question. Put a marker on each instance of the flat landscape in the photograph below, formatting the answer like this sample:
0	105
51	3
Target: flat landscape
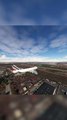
25	83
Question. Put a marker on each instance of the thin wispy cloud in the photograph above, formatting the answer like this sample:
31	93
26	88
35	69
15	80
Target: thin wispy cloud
41	43
60	41
11	44
65	57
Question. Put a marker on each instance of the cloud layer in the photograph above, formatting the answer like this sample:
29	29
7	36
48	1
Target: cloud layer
10	44
32	44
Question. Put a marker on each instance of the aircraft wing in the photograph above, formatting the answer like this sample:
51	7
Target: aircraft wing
35	72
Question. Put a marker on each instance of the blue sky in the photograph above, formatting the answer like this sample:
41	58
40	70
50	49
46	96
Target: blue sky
33	12
33	43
